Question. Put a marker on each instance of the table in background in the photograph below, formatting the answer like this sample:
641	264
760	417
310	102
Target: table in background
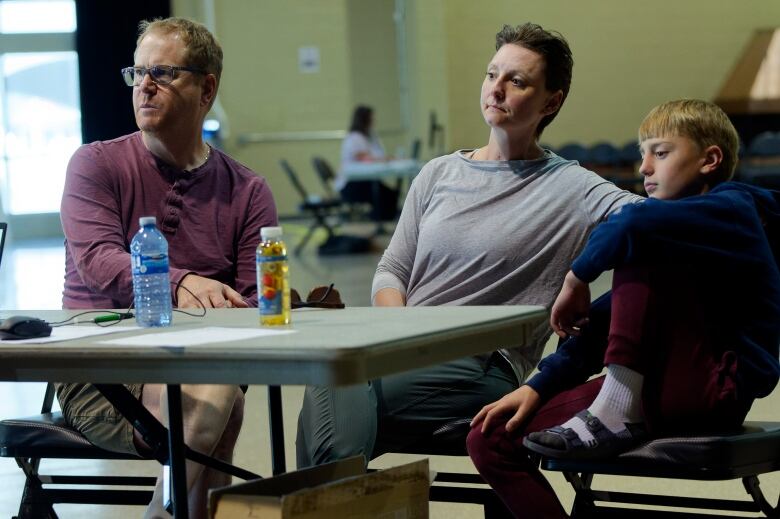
399	168
392	169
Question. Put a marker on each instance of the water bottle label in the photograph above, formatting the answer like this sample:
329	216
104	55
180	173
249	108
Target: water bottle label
150	264
270	274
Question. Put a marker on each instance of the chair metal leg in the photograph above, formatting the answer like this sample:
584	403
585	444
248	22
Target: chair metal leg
305	240
34	504
752	487
319	221
583	497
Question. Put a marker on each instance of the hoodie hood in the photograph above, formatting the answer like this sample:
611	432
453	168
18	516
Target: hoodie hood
768	204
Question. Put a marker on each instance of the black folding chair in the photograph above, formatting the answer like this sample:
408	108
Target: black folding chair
743	454
326	175
31	439
319	208
353	210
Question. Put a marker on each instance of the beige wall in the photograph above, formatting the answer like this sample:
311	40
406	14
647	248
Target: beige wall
629	56
373	56
428	69
263	91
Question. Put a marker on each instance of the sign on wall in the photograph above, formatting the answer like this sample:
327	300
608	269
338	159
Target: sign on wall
309	60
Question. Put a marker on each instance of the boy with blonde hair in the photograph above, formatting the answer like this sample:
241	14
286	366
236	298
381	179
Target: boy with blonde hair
695	317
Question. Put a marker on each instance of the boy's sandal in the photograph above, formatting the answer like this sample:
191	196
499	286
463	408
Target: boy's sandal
560	442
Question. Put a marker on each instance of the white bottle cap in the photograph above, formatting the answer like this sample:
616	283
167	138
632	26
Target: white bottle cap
269	233
147	220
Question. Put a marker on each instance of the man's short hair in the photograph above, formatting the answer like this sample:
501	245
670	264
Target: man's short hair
702	122
203	49
553	47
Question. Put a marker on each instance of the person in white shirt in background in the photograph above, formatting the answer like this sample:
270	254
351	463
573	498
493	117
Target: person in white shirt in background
361	145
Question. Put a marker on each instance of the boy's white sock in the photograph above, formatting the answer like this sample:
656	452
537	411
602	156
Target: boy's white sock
619	402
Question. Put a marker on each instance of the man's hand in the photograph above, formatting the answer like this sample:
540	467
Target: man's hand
521	402
570	311
211	293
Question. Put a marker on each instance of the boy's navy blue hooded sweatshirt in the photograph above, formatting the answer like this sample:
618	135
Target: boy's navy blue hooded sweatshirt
729	238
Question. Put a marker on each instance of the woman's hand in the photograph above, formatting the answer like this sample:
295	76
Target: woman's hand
523	402
570	311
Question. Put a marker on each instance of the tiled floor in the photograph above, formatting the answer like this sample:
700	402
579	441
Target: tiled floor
31	278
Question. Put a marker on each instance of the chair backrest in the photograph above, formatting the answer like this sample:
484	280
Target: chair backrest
630	154
604	154
416	147
325	174
574	151
765	144
3	230
296	182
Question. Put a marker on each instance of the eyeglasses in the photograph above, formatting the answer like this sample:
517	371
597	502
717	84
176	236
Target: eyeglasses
161	74
319	297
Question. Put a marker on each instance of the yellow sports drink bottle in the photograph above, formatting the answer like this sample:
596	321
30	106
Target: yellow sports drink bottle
273	283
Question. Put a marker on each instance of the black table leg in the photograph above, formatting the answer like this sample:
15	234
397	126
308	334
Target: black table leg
176	458
163	442
278	463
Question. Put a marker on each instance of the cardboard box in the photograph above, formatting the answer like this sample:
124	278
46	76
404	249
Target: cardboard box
340	490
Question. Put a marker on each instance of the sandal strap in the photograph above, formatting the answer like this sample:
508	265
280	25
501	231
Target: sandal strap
603	435
567	434
595	426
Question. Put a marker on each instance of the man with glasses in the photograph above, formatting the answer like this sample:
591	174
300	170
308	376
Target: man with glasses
210	209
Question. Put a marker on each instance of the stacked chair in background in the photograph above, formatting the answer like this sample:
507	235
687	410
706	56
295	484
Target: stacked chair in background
760	161
618	165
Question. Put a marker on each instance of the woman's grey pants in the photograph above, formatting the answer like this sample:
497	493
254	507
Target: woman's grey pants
387	414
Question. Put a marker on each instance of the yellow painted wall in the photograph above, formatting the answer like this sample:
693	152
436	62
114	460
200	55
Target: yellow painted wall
371	47
428	70
629	56
264	92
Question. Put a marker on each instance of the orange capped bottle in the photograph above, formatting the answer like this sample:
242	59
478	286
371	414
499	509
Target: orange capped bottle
273	282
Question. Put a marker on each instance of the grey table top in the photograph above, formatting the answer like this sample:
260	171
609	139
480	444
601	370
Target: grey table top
329	347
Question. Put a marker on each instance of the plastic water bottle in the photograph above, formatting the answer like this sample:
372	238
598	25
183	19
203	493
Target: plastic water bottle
151	281
273	282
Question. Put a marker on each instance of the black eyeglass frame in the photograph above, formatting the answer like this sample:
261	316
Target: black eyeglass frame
172	69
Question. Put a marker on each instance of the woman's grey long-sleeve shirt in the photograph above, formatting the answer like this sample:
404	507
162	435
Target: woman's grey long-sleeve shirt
495	233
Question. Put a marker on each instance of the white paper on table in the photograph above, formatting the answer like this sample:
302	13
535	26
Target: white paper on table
66	333
210	334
